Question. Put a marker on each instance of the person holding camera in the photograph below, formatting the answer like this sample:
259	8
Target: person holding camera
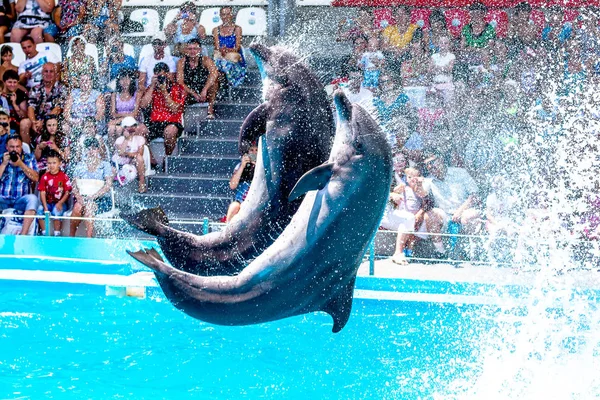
116	63
184	28
17	172
159	55
15	98
241	180
166	100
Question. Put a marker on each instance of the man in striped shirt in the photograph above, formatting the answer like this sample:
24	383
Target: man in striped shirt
17	172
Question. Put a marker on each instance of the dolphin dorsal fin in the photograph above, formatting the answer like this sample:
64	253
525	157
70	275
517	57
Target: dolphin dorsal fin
339	307
315	179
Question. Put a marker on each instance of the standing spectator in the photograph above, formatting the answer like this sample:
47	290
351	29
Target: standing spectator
129	152
69	16
415	72
33	16
442	64
51	140
92	166
371	63
389	102
166	99
454	192
102	20
227	40
17	172
55	189
437	30
158	55
7	16
81	103
15	98
477	34
400	35
4	130
125	102
521	31
45	99
77	64
30	70
116	61
198	75
184	28
241	180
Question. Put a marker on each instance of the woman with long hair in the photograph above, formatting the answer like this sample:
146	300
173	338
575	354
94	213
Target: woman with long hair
125	102
228	54
51	139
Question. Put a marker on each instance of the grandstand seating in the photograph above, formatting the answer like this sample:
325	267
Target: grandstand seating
18	55
170	16
253	21
149	18
50	48
90	50
210	19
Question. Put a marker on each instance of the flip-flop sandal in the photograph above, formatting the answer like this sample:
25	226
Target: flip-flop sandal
210	116
400	260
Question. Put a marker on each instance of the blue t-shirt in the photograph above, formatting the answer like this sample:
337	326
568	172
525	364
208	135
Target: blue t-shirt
128	63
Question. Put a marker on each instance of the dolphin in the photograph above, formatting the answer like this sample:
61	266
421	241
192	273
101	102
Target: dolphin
312	265
295	128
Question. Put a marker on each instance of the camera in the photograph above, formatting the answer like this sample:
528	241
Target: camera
14	156
161	80
4	124
252	157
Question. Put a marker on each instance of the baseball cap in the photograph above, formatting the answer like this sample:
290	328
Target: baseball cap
128	121
4	111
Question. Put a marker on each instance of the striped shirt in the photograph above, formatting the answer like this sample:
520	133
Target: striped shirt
14	184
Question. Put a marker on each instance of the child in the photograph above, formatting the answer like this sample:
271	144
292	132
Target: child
409	200
50	139
55	188
371	62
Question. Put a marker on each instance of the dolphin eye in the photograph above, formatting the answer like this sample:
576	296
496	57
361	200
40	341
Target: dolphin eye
359	146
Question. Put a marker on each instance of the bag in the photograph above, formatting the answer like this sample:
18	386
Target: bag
129	26
13	225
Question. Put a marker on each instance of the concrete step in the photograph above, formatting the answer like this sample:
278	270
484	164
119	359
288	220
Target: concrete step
218	128
225	145
191	164
200	206
228	110
190	184
247	94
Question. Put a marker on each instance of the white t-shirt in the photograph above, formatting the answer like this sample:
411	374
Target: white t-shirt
411	202
442	61
148	63
34	65
132	147
368	59
453	191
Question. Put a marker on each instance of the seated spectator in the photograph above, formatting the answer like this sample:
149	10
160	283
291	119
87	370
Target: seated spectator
437	30
355	91
7	55
116	62
15	98
102	20
69	16
166	100
30	70
198	75
125	102
409	211
184	28
77	64
241	180
400	35
478	33
228	54
521	32
4	130
51	140
371	63
129	152
33	16
45	99
389	102
55	189
7	9
415	72
148	63
454	193
88	130
81	103
442	64
17	173
400	163
91	166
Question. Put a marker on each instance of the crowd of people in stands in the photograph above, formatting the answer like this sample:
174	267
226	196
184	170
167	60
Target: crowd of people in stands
72	129
458	92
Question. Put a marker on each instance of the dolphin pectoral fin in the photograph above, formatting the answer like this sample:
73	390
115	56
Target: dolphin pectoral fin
150	220
149	259
340	307
315	179
254	126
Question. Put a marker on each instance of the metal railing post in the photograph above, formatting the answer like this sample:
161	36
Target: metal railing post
205	226
372	257
47	222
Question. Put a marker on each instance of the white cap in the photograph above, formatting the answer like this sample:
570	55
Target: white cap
159	36
128	121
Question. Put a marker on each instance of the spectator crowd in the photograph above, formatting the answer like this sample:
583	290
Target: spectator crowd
475	102
72	126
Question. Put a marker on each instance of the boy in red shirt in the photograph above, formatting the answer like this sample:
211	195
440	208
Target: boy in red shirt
55	188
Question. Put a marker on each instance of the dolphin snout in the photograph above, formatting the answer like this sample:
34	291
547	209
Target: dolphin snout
342	105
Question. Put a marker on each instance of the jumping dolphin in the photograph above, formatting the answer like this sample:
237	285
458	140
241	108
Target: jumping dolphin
296	129
312	266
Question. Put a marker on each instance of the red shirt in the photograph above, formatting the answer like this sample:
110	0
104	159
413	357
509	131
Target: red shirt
55	186
160	111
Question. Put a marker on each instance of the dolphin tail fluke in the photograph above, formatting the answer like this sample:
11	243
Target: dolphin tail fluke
152	259
340	307
151	220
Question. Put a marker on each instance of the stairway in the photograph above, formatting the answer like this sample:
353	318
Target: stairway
196	181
